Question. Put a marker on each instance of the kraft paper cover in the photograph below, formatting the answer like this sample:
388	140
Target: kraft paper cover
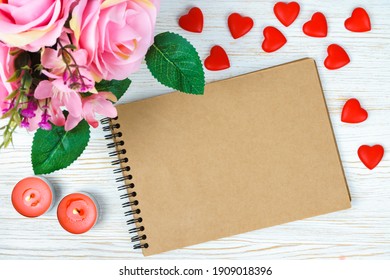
255	151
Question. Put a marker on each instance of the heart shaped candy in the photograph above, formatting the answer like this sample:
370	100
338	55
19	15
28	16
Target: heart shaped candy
273	39
239	25
217	60
287	13
193	21
317	26
353	112
359	21
371	156
337	57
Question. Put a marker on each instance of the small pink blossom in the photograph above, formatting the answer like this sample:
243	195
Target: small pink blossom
99	103
66	82
44	123
77	77
34	121
60	95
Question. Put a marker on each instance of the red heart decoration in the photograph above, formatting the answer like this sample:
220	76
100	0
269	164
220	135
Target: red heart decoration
371	156
239	25
317	26
217	60
353	112
287	13
337	57
273	39
359	21
193	21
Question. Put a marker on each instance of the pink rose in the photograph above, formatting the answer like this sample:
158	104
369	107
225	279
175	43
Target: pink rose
115	33
31	25
6	71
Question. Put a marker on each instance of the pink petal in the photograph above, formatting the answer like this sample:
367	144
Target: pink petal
108	95
68	97
72	122
35	120
50	59
72	102
44	90
61	86
105	108
81	57
55	112
90	118
88	110
50	75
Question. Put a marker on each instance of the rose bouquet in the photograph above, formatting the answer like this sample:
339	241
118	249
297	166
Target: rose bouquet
63	62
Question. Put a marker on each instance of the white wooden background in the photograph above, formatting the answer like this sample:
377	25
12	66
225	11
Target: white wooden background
360	233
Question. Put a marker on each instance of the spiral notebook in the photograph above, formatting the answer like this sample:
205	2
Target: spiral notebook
255	151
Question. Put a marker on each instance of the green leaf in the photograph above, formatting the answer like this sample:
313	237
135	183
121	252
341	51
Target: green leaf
118	88
27	80
15	51
175	63
15	76
70	46
12	95
57	149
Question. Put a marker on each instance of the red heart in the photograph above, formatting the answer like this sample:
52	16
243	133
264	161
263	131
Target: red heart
317	26
353	112
371	156
359	21
287	13
193	21
239	25
218	59
273	39
337	57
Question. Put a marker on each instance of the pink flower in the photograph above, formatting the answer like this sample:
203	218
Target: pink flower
115	33
66	81
31	25
96	103
99	103
34	122
6	71
60	95
77	78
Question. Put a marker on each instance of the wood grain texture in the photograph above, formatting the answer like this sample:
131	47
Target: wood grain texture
360	233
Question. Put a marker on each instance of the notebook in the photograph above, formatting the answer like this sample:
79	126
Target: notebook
254	151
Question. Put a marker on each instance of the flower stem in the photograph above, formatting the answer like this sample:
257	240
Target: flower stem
75	65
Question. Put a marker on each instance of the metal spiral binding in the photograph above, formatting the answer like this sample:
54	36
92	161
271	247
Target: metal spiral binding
124	169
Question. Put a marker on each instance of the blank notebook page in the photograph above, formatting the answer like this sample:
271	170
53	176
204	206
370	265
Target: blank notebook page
255	151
